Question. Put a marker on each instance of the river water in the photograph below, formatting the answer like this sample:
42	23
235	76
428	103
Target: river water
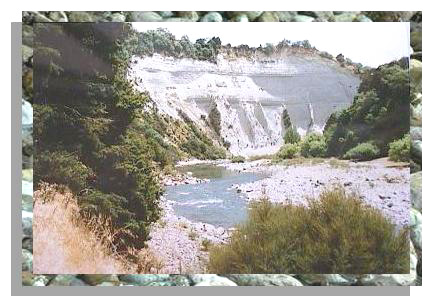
211	202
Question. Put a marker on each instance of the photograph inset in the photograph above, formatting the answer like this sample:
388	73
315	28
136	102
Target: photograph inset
221	148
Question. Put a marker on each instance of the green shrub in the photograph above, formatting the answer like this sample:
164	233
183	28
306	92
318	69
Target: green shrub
336	233
362	152
288	151
238	159
291	136
314	145
215	119
400	149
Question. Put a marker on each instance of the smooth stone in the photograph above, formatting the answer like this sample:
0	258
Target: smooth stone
58	16
145	16
27	35
95	279
191	15
363	18
416	73
27	224
80	17
210	280
345	17
252	15
241	18
26	260
143	279
39	17
117	17
212	17
416	151
66	280
27	113
40	280
269	17
166	14
27	243
416	191
416	114
264	280
26	53
285	16
416	133
326	279
303	18
416	228
177	19
416	40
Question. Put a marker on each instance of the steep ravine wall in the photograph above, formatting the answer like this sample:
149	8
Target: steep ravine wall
250	94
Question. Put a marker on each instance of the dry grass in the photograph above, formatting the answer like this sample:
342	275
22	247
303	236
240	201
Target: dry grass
65	242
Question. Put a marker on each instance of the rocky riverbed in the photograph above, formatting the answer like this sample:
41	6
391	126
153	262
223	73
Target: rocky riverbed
379	183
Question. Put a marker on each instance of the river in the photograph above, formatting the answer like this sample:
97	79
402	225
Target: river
212	202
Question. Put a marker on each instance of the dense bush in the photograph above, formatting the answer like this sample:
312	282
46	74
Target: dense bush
400	149
288	151
85	136
238	159
335	234
291	136
62	167
215	119
379	113
313	145
362	152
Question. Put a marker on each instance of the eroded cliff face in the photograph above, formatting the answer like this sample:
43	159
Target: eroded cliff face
249	93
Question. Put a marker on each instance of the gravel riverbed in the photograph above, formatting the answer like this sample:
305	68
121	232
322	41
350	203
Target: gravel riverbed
182	245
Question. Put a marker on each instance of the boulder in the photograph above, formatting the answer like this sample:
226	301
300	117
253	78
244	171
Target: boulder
191	15
210	280
328	279
95	279
269	17
80	17
143	279
416	228
66	280
251	15
416	191
416	74
58	16
212	17
264	280
26	260
144	16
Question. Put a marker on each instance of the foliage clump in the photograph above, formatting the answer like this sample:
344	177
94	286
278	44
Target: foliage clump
400	149
313	145
362	152
336	233
291	135
379	113
238	159
288	151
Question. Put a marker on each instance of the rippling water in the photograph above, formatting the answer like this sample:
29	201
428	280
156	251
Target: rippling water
212	202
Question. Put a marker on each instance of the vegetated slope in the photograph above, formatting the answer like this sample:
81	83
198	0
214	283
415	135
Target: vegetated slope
379	114
246	88
85	138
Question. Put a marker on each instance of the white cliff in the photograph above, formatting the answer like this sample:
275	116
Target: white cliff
250	94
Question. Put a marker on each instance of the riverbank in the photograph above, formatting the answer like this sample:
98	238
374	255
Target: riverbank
182	245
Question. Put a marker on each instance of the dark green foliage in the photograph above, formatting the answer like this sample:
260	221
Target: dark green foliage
288	151
163	42
62	167
313	145
400	149
291	135
238	159
362	152
335	234
87	132
379	113
215	119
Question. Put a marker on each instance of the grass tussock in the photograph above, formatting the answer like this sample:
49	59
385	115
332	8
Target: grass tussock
68	242
335	234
